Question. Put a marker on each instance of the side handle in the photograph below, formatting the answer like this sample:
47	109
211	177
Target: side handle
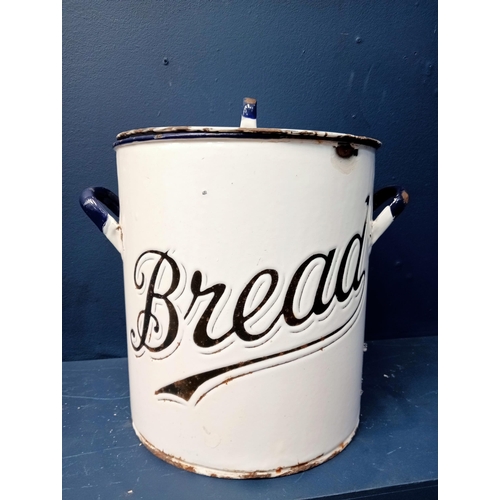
400	199
96	203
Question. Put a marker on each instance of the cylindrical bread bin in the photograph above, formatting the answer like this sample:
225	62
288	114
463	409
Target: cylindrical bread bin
245	258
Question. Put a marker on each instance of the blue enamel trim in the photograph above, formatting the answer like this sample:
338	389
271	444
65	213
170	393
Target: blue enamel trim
94	201
249	110
244	135
399	202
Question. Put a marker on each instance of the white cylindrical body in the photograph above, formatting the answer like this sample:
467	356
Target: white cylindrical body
245	267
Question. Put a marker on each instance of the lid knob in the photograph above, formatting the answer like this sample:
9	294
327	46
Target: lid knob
249	113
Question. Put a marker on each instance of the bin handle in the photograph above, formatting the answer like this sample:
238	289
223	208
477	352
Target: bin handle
400	199
97	202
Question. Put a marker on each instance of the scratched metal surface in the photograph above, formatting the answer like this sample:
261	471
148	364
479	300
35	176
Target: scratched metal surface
394	453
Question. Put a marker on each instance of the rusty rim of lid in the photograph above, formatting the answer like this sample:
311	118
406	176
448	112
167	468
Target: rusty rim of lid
164	133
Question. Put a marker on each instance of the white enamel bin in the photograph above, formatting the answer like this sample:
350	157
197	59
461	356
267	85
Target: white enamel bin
245	257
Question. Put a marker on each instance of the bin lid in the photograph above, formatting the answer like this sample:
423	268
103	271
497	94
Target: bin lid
247	130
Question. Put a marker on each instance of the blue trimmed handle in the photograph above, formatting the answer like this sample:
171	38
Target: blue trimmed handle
96	203
400	199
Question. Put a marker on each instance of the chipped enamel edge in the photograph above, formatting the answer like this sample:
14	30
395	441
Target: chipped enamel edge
155	133
240	474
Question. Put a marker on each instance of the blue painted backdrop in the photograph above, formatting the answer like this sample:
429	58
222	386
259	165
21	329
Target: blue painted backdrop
358	66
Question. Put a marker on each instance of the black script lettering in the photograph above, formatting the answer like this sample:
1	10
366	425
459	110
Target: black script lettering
318	305
239	319
340	293
339	279
200	335
147	313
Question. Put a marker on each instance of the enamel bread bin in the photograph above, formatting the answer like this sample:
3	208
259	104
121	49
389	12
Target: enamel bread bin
245	258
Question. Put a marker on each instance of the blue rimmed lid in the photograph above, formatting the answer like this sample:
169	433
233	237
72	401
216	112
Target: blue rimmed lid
247	130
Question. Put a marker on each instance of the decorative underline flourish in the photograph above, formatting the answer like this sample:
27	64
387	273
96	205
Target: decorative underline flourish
186	387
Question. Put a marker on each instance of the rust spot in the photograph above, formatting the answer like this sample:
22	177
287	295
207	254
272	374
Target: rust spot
279	469
202	396
346	151
258	474
230	379
406	197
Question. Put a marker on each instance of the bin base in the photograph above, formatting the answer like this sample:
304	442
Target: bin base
239	474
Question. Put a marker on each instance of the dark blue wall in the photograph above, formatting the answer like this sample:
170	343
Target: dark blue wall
358	66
